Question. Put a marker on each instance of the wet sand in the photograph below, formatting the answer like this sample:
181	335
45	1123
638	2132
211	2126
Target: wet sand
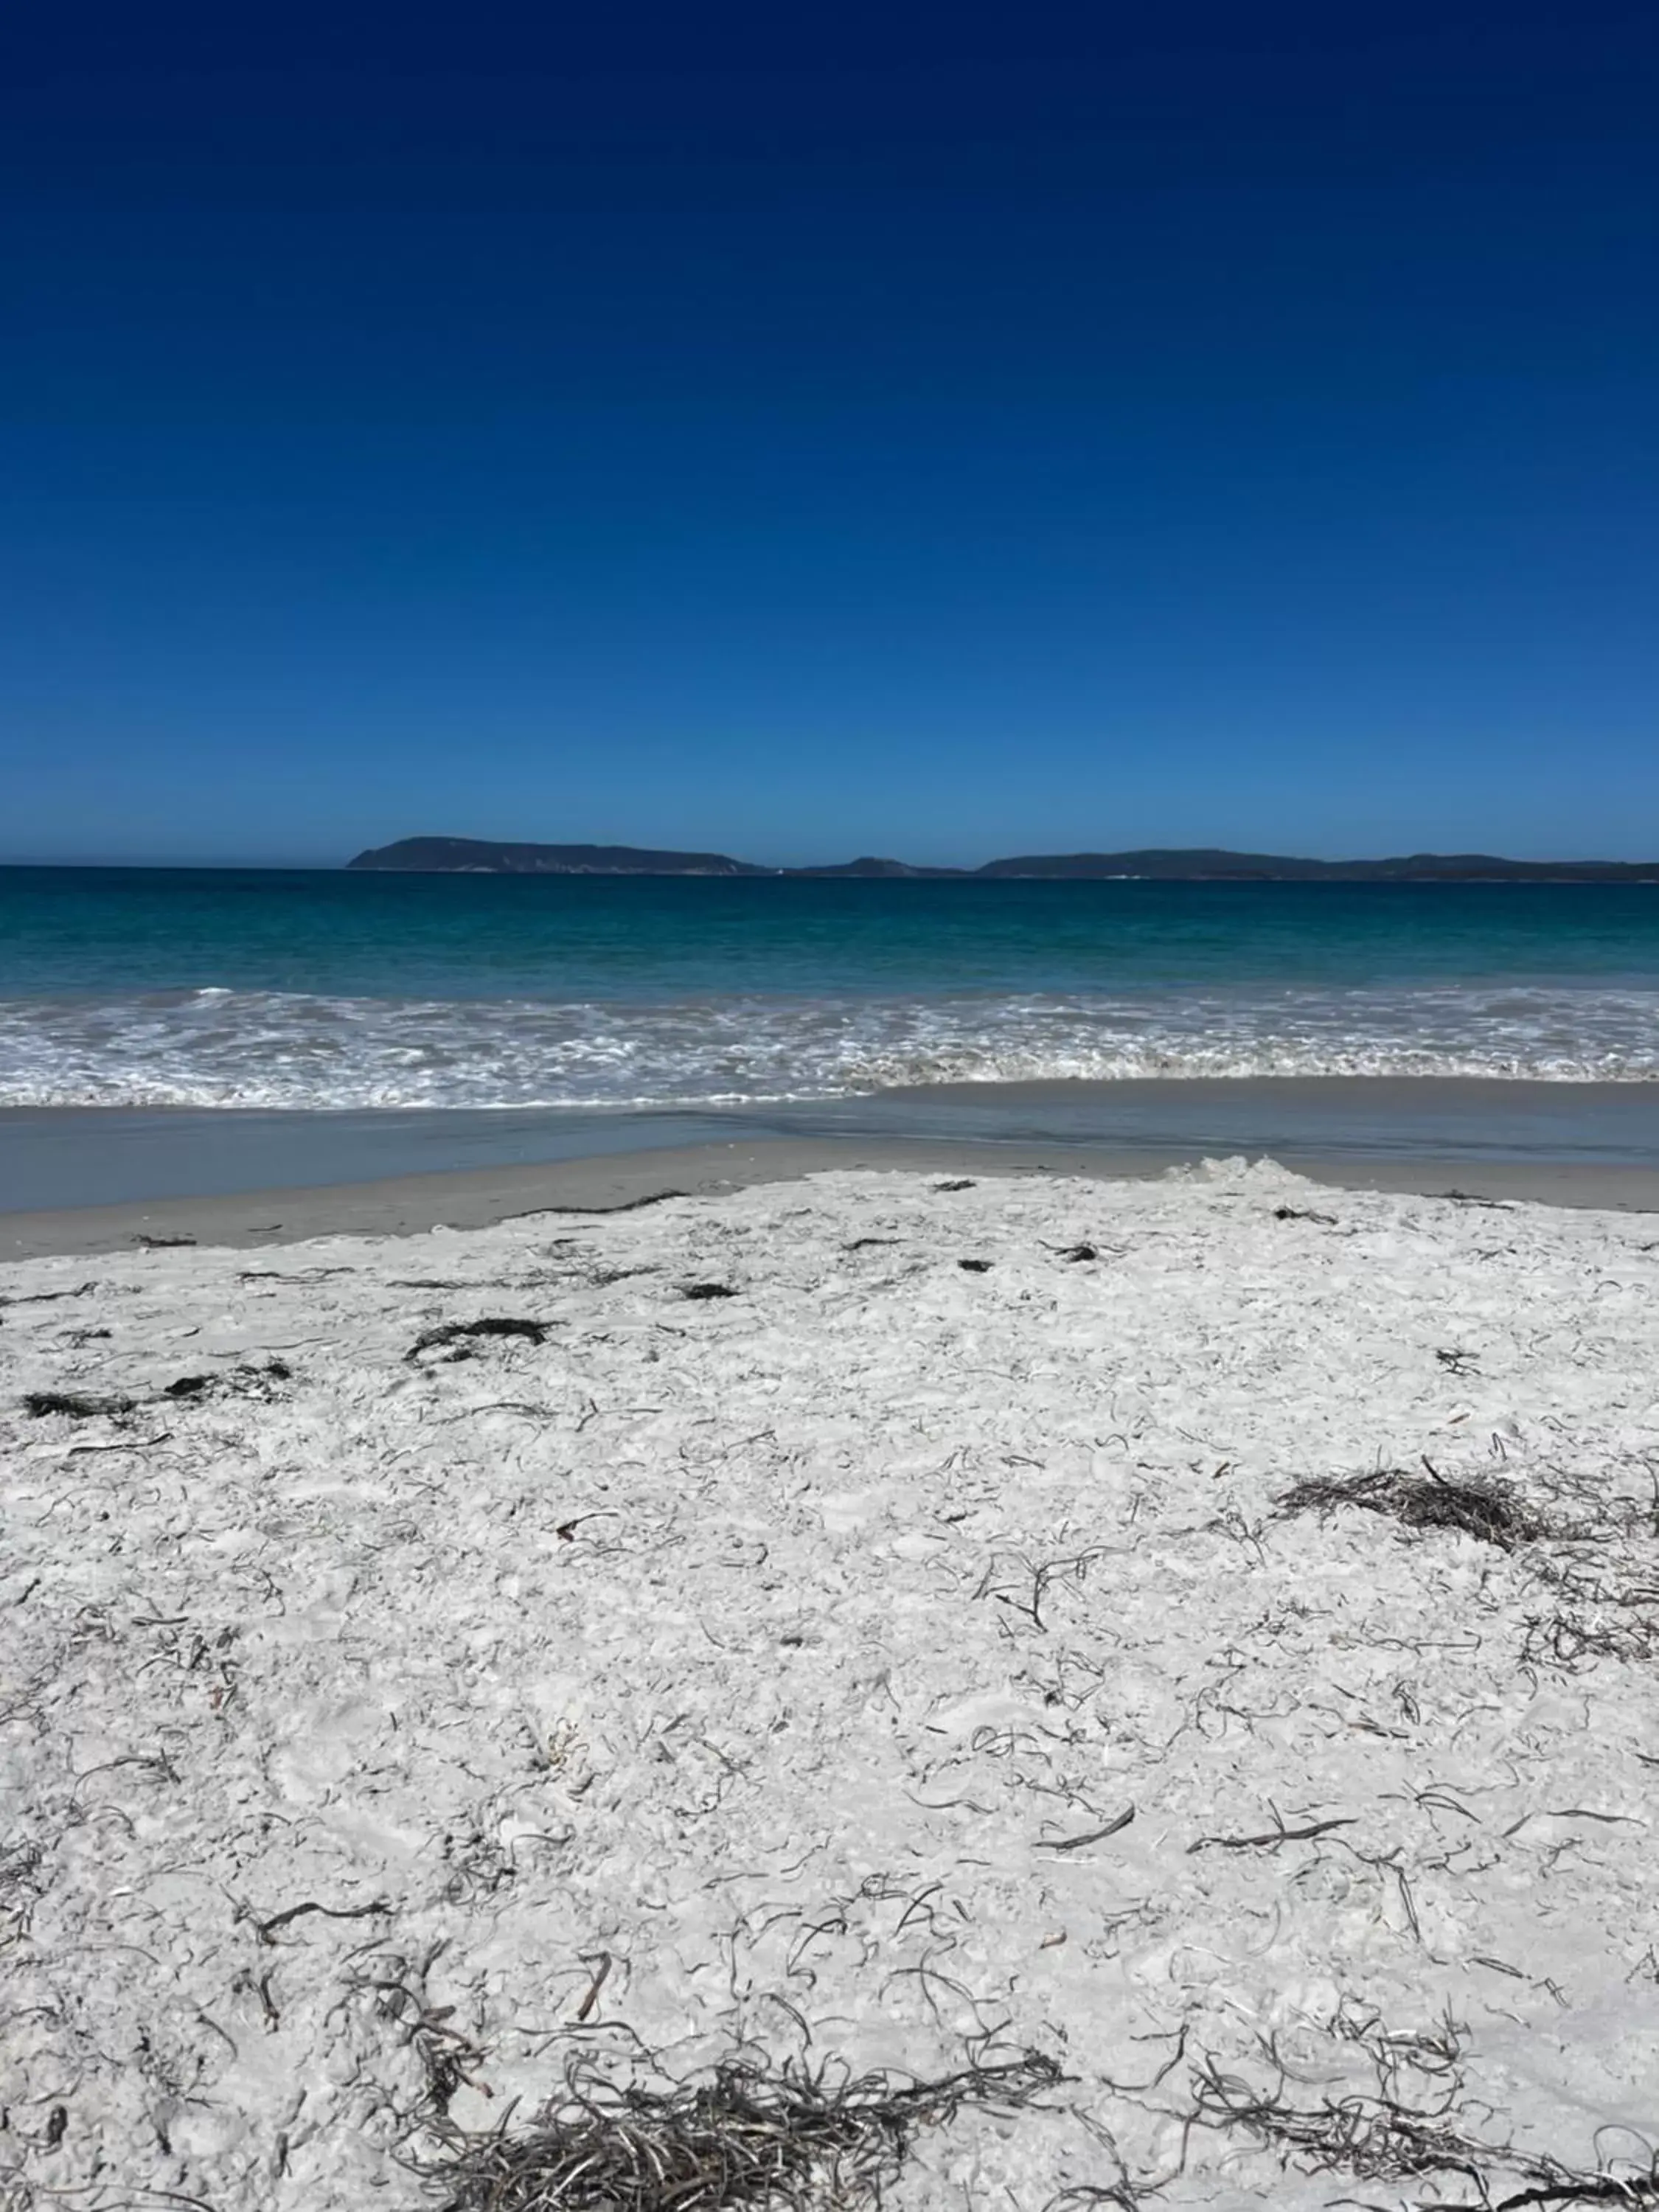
92	1179
407	1206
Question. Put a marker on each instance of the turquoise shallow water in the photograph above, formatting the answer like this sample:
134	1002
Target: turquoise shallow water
215	989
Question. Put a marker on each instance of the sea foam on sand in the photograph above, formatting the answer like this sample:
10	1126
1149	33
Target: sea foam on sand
773	1675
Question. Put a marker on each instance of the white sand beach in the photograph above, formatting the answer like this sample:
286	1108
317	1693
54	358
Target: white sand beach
905	1660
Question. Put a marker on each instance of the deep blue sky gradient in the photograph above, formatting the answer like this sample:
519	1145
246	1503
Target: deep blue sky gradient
950	431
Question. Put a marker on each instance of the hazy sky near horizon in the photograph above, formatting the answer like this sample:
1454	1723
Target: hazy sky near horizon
949	431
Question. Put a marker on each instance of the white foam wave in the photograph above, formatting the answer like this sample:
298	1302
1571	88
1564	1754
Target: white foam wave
257	1050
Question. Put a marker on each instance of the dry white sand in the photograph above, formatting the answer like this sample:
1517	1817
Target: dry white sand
741	1675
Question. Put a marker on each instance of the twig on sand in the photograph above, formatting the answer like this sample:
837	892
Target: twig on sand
294	1275
591	1997
619	1206
1272	1840
1094	1836
1457	1362
1042	1575
45	1298
266	1929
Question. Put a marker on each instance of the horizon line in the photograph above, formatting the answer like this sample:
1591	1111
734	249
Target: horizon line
865	868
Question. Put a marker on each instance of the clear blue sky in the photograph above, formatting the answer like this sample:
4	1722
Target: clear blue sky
805	430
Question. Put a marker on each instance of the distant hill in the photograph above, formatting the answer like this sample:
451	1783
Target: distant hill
889	870
479	856
1202	865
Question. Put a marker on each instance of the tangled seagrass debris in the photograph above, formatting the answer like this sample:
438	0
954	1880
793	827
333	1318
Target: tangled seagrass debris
79	1404
1478	1508
744	2137
248	1378
461	1332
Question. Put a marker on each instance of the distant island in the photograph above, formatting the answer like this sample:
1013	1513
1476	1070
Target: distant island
479	856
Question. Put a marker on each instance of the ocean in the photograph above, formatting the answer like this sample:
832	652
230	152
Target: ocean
325	990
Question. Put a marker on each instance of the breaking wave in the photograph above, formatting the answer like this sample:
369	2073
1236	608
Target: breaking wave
274	1050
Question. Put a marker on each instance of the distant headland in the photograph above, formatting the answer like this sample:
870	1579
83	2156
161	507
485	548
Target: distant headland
479	856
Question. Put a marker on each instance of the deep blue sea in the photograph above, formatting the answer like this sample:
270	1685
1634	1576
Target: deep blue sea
263	989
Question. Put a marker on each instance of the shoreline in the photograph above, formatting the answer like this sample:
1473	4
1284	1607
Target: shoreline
605	1183
86	1179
